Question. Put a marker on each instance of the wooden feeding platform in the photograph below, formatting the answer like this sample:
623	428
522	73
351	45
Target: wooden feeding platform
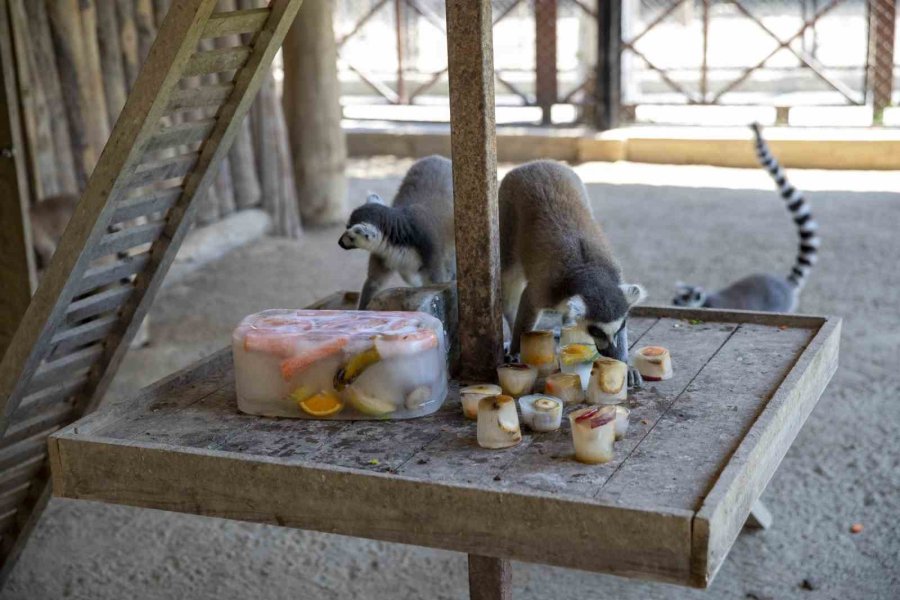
699	452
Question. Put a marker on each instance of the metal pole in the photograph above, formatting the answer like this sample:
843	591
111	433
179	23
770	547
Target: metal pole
546	84
609	62
401	36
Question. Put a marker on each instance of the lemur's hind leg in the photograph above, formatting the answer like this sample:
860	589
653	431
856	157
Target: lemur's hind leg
377	277
620	352
526	317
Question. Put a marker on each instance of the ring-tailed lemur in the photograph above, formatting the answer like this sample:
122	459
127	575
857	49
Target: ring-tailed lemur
765	292
414	236
553	254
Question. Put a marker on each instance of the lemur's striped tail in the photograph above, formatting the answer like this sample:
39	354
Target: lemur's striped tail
800	210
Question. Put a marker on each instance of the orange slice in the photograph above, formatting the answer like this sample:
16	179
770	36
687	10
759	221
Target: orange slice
322	404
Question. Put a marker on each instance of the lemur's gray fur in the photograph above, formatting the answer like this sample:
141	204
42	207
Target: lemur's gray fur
761	291
414	236
553	254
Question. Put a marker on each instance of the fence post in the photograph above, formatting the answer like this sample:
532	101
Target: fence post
609	64
546	84
880	76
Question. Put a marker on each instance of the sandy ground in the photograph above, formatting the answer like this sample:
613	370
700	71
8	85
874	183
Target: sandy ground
844	467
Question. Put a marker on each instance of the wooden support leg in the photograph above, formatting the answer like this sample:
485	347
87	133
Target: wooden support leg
760	517
489	578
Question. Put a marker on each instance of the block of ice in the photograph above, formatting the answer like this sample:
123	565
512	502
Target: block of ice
320	364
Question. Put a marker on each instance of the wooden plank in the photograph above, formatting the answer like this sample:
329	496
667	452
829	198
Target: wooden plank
17	269
677	461
45	423
67	339
141	206
168	168
54	394
28	449
751	466
474	149
20	472
222	24
489	578
217	61
374	505
189	132
103	275
59	370
126	239
95	304
200	97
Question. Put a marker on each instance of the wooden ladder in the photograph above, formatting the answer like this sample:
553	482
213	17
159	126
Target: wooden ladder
136	209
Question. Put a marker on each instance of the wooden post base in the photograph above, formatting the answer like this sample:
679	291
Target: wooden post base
760	517
489	578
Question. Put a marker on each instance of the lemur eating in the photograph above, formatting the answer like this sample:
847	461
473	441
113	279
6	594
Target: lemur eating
762	291
553	255
414	236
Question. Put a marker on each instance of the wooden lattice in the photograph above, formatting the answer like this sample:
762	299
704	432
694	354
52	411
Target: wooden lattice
136	210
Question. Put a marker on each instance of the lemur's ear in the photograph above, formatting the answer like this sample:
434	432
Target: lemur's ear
374	199
633	293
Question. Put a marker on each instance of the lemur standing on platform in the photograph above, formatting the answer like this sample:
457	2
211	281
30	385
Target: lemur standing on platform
553	255
766	292
414	236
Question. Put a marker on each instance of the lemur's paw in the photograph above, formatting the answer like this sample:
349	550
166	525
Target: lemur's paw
634	378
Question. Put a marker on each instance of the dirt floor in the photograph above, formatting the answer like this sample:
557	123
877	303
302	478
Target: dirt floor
696	224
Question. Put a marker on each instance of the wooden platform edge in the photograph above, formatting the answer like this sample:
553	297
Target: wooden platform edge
740	484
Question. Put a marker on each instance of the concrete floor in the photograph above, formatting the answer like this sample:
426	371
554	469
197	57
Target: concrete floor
844	468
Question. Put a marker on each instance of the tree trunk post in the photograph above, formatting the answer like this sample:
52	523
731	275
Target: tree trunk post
313	112
489	578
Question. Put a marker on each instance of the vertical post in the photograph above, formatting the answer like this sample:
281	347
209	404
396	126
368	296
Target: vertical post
489	578
704	66
546	84
400	30
609	64
880	76
17	276
474	152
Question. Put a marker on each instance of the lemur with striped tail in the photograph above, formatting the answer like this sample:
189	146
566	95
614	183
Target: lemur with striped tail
766	292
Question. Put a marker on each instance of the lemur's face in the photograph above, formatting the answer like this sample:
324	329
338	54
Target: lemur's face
360	235
689	295
605	331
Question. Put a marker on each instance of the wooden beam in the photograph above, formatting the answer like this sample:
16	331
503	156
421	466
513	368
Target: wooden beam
489	578
609	65
474	152
17	273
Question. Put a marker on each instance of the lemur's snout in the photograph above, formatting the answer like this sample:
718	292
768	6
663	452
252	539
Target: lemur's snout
344	243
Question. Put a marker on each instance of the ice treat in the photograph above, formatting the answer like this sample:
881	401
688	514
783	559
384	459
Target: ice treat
339	364
565	386
593	433
516	379
578	358
541	413
608	381
469	397
539	351
653	363
498	422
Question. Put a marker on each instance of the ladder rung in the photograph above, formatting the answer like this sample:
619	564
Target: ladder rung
169	168
11	498
20	473
106	274
44	423
216	61
61	369
200	97
83	334
236	22
27	449
140	206
52	396
128	238
190	132
95	304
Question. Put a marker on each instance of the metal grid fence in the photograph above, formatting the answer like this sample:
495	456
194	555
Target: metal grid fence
779	53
